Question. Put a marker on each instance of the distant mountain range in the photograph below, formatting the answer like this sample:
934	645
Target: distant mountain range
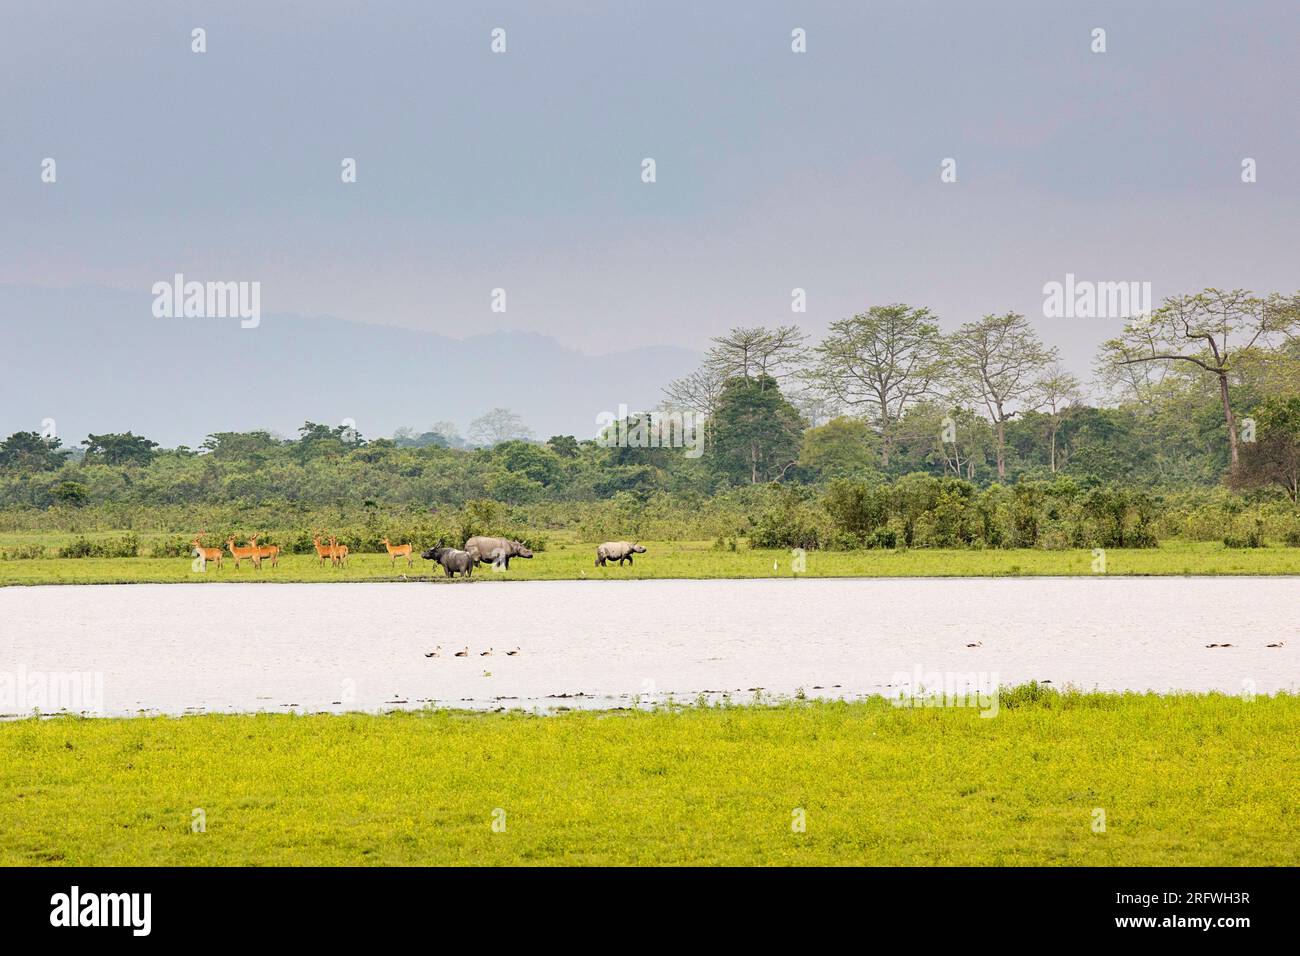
97	360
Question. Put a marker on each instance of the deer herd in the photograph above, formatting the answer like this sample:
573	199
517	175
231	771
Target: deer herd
335	553
479	549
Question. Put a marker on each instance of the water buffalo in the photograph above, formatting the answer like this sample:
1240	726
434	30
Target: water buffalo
497	551
452	561
619	551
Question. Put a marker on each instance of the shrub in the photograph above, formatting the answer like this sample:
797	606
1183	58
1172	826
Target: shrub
950	524
1027	695
23	552
127	546
883	538
1118	518
787	522
855	507
1245	534
174	548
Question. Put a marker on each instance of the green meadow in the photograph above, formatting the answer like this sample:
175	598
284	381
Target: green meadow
1085	779
670	559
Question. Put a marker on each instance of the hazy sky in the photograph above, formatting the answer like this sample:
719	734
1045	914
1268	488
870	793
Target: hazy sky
775	170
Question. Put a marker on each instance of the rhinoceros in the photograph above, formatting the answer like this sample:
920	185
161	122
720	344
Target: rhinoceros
619	551
496	551
452	560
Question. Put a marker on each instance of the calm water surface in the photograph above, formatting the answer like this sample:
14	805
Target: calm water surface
175	649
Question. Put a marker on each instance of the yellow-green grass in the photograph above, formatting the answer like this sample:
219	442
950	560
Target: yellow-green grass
1180	780
684	559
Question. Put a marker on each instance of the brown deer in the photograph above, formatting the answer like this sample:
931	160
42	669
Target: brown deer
213	555
338	552
265	551
252	553
399	551
323	552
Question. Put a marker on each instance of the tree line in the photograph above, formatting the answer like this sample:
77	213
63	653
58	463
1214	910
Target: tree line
1203	391
889	375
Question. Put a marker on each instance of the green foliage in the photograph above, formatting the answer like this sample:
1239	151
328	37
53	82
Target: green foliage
127	546
1028	695
566	446
1118	518
182	547
28	451
69	492
126	449
1246	532
857	508
921	511
883	538
888	785
951	518
842	448
23	552
927	512
787	520
538	463
755	432
1167	454
570	558
1272	458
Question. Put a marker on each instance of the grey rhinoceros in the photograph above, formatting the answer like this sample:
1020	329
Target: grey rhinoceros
619	551
496	551
452	560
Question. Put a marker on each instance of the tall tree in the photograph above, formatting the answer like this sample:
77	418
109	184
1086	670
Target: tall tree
29	451
755	432
1204	330
120	449
999	361
698	392
566	446
449	434
881	363
1057	390
843	447
757	353
1273	457
254	447
498	425
953	437
317	441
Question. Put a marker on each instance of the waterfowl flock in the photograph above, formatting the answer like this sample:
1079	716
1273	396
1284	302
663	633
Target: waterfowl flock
465	652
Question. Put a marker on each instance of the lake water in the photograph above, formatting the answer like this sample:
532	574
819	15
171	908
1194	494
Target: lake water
175	649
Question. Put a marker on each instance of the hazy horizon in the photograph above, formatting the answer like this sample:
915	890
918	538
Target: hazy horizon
775	170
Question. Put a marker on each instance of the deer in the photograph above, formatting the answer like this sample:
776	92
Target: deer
252	553
323	552
338	552
399	551
208	554
271	551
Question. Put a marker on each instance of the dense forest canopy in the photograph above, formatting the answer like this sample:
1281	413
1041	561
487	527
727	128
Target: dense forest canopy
1203	392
